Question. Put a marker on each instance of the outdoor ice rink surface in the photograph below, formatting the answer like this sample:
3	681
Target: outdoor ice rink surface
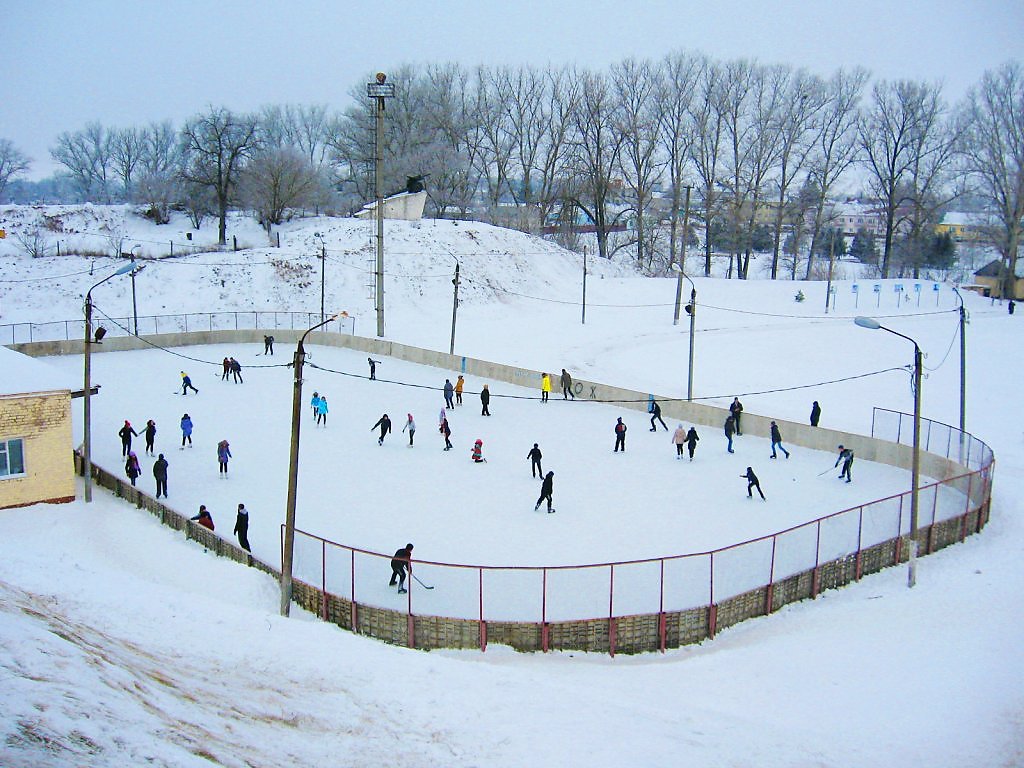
640	504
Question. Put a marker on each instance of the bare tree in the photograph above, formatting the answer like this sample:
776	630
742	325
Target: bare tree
275	180
217	144
734	105
12	163
993	156
127	147
86	154
704	152
157	181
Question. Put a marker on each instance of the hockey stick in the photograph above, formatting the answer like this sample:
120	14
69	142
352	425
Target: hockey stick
827	470
425	586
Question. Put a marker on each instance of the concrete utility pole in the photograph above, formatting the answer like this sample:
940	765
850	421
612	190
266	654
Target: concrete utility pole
380	90
455	308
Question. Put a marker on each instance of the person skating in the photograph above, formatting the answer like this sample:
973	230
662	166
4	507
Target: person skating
160	475
204	518
242	527
125	433
1010	307
399	564
535	456
410	427
736	409
186	430
567	386
186	384
620	435
225	369
314	403
485	399
678	440
449	394
691	441
752	482
459	384
223	454
373	367
385	426
478	452
446	432
268	345
545	387
150	436
547	489
845	456
730	429
321	410
656	416
236	371
132	468
815	413
777	441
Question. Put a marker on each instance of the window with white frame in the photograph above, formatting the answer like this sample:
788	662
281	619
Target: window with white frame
12	457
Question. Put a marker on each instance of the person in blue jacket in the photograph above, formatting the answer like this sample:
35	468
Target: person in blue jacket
314	403
321	410
186	430
223	454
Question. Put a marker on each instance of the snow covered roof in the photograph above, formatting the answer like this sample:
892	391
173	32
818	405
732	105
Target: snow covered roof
959	219
22	375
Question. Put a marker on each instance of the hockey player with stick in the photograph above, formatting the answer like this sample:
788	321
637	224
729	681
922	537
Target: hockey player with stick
399	563
186	384
845	456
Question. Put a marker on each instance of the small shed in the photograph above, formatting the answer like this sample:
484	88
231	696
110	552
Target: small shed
988	277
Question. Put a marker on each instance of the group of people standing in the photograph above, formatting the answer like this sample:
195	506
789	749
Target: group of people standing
241	530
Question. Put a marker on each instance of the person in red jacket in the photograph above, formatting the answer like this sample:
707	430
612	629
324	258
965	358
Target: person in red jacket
204	518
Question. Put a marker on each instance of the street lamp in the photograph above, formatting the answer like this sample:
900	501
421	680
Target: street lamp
287	556
87	405
691	308
455	306
380	90
963	369
323	269
135	306
915	472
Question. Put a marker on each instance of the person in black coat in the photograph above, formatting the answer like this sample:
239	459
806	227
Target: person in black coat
845	456
547	488
691	441
485	399
385	426
535	456
268	345
730	430
449	394
620	435
656	415
815	413
736	409
752	482
150	436
160	474
132	468
777	441
399	563
125	433
242	527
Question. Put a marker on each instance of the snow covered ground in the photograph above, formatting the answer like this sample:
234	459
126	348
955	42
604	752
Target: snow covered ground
120	643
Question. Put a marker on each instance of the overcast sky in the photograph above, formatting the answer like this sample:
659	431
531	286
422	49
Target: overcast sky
126	63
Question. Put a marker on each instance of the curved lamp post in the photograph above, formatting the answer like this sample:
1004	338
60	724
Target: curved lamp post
915	472
87	405
287	555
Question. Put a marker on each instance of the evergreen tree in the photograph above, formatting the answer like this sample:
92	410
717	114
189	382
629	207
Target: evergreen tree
863	248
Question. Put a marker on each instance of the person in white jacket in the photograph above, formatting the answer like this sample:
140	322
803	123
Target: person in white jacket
410	425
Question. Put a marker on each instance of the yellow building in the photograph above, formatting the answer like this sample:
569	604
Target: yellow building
36	463
988	278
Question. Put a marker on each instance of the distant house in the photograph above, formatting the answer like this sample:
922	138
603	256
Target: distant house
959	226
36	463
988	278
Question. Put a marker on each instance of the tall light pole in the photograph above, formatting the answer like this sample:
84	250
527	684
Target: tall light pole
455	306
135	306
915	471
380	90
323	271
691	308
287	555
963	368
87	404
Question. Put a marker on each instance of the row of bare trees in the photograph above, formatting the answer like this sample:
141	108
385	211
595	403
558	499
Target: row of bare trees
762	147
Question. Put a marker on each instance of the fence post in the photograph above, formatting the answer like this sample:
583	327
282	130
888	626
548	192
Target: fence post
483	624
611	603
352	590
544	611
172	249
770	592
323	579
859	563
899	533
816	577
662	629
712	608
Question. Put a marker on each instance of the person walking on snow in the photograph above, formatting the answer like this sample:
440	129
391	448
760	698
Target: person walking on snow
160	475
736	409
268	345
845	456
186	384
679	439
777	441
691	441
620	435
242	527
752	482
815	413
315	403
446	431
478	452
730	429
150	436
125	433
321	410
567	386
203	518
226	369
223	454
535	456
236	371
485	399
373	367
547	489
410	425
385	426
399	563
459	384
449	394
545	387
132	468
656	416
186	431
